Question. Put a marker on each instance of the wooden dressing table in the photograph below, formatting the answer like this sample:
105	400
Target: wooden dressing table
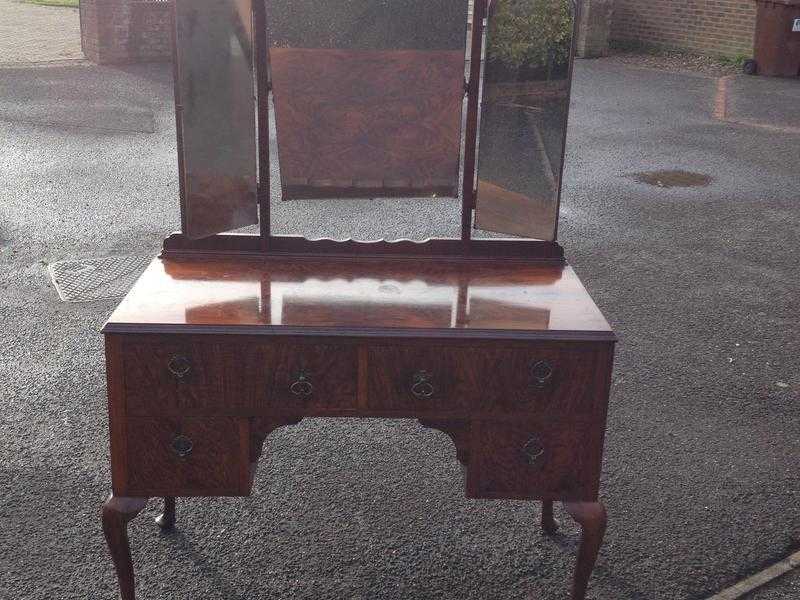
226	337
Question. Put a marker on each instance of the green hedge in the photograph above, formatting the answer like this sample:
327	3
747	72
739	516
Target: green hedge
530	33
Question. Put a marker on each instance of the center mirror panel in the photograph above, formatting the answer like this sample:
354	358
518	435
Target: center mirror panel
366	106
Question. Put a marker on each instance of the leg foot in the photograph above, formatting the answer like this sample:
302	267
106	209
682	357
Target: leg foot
166	520
117	512
549	524
591	516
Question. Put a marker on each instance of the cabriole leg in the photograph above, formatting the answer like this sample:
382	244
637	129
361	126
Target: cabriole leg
166	520
591	516
117	513
549	524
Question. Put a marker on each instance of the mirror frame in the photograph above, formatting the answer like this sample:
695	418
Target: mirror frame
464	247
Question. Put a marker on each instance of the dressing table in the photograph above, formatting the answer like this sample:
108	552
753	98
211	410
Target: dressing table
492	340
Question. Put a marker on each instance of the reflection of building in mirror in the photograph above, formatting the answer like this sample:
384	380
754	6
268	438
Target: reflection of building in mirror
524	116
216	115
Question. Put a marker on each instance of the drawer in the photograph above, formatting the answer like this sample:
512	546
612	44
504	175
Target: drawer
172	374
187	457
558	380
299	377
421	379
535	459
198	376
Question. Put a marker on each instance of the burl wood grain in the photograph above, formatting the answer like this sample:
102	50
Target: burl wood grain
218	464
330	371
484	380
229	376
365	123
509	384
150	388
371	295
451	372
568	468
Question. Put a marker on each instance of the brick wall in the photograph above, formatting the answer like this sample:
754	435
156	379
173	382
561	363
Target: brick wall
151	29
594	28
720	27
121	31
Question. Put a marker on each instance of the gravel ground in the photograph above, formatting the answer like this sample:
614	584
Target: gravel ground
700	474
676	62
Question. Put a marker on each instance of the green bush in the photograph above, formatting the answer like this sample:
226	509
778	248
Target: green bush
530	33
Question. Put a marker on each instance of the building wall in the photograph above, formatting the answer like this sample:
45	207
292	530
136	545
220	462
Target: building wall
120	31
594	28
719	27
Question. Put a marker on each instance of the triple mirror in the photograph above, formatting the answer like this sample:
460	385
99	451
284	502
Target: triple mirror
368	116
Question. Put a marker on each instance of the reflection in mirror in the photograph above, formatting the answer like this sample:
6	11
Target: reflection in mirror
363	219
328	294
216	115
367	100
526	86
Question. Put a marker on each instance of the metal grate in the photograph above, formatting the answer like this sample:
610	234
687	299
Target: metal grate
96	278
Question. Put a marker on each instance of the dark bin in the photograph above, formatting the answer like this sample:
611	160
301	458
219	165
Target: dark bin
777	46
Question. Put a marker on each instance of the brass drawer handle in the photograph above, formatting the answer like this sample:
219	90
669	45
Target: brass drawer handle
179	366
182	446
421	385
541	373
302	387
533	451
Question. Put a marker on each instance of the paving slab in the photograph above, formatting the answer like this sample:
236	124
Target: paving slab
785	588
774	104
30	33
700	474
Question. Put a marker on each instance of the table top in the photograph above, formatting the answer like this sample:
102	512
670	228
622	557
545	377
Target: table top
363	296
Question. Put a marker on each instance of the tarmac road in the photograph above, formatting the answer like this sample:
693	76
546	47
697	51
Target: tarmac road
701	469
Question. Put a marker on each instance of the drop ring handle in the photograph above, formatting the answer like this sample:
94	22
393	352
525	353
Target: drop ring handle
179	366
421	385
533	451
542	373
182	446
302	387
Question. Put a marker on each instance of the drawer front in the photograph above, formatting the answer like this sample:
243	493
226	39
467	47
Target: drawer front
535	460
192	375
555	379
189	457
299	377
558	380
172	374
421	379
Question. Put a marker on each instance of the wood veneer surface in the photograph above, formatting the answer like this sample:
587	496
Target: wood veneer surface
338	296
365	123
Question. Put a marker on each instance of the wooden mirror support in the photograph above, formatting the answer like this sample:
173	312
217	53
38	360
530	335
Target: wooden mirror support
363	123
227	337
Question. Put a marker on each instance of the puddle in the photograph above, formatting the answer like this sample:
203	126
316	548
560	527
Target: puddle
670	179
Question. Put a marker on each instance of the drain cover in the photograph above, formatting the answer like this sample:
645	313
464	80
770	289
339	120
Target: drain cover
96	278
